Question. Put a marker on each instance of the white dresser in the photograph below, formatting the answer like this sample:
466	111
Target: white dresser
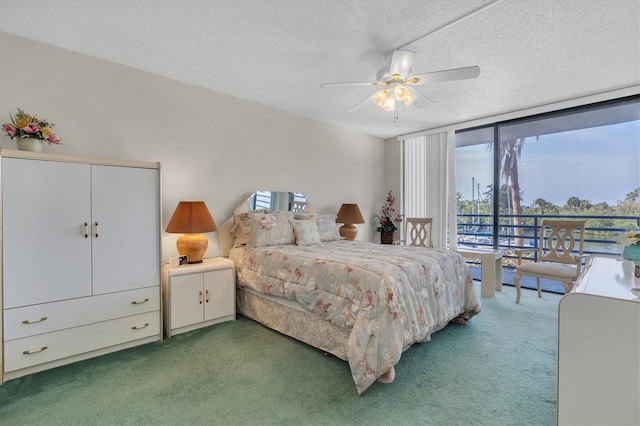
80	259
599	347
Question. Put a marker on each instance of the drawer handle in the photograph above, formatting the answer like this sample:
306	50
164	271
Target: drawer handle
34	351
32	321
140	326
140	301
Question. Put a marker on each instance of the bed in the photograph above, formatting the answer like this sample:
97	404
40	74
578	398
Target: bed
365	303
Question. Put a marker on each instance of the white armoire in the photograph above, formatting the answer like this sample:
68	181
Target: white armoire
80	258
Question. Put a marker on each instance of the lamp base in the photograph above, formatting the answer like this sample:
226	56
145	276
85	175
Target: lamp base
194	246
348	232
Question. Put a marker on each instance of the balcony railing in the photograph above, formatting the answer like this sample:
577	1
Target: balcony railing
476	231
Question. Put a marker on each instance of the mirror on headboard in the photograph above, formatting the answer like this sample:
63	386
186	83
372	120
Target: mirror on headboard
272	201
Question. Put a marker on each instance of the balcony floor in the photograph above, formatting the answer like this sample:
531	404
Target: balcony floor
525	282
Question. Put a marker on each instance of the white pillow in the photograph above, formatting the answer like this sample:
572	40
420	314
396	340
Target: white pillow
241	228
327	227
306	232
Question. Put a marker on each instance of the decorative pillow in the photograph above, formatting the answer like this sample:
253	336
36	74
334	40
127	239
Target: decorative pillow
327	227
306	232
241	228
270	229
303	216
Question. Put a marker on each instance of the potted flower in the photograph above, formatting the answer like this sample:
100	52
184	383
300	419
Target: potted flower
386	221
30	132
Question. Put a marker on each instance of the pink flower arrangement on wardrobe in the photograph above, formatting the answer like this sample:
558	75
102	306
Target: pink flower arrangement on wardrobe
24	125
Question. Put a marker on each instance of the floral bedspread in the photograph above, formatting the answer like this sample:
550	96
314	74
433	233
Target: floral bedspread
387	297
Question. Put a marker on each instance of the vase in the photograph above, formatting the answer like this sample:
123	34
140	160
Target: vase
29	144
631	252
386	237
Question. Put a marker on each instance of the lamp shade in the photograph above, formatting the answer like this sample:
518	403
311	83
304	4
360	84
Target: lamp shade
349	214
191	217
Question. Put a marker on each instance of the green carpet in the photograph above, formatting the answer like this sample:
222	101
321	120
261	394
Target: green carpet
500	369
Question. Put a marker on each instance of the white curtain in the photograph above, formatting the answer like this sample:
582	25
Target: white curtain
428	190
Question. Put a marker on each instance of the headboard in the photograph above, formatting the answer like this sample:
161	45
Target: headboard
262	201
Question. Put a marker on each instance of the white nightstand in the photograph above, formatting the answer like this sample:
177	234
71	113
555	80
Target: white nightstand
198	295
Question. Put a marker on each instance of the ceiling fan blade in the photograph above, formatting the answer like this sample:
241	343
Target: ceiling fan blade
447	75
353	83
361	103
401	62
422	101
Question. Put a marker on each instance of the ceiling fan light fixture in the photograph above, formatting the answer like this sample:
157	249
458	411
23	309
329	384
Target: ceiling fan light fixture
400	92
389	104
409	98
404	94
380	97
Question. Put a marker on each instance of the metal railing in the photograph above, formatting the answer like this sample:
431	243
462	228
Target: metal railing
475	230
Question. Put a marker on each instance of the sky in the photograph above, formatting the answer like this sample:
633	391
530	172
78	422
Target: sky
599	164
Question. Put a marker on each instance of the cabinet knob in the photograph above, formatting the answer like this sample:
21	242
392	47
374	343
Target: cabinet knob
32	321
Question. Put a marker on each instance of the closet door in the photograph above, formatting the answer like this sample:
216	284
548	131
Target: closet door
46	256
126	239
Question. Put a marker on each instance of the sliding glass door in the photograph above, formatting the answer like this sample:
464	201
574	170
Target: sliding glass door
583	162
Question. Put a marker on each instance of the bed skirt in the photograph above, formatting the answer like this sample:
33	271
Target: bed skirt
293	322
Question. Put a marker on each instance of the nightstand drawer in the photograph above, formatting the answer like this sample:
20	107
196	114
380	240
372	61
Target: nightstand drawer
34	350
48	317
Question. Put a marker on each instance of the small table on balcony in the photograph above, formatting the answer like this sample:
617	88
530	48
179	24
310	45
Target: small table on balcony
490	265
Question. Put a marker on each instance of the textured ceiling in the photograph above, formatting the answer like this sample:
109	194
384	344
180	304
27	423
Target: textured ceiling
279	52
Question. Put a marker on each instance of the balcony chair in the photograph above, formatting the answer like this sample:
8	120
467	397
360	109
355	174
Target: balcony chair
557	240
417	232
300	207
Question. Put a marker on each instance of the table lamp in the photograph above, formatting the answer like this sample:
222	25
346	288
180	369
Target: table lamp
191	218
349	214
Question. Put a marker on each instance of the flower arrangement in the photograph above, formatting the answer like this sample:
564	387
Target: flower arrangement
24	125
631	238
386	224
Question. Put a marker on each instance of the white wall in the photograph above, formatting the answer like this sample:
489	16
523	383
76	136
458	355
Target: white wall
212	147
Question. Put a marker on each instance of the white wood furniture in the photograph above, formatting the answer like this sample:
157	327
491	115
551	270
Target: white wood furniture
80	259
198	295
558	240
599	347
490	266
417	232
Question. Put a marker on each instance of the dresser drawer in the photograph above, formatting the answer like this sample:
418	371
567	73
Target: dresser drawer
34	350
48	317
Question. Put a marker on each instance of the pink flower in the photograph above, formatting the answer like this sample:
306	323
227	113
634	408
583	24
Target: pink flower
30	128
10	130
53	138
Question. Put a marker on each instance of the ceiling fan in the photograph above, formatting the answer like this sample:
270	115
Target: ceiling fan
395	78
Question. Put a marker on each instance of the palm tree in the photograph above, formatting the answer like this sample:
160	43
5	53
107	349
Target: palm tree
510	151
